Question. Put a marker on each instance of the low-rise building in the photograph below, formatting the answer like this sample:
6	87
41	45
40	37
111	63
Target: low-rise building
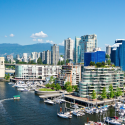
97	78
71	73
36	71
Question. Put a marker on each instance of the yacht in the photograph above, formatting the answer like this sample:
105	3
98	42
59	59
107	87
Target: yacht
49	101
64	115
111	121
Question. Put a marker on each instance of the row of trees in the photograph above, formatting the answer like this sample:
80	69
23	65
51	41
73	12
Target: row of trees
111	93
61	62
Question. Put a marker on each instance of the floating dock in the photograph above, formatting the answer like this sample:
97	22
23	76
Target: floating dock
50	95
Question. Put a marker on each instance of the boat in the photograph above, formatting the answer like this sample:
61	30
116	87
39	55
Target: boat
24	90
11	83
16	97
111	121
64	115
49	101
78	113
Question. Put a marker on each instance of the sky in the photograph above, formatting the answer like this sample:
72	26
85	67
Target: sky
40	21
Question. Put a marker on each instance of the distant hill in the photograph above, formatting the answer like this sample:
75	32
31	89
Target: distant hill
7	48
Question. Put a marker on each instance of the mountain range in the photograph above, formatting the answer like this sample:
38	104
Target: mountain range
14	49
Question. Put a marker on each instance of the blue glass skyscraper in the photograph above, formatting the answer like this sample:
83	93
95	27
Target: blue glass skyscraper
118	53
98	56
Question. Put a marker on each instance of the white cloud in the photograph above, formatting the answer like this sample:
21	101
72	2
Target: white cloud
37	35
11	35
34	39
5	36
40	40
49	41
62	44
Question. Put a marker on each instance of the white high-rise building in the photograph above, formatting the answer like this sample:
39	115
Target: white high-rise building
108	50
87	43
47	57
42	55
24	57
68	49
34	55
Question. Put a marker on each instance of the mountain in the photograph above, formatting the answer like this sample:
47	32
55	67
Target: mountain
14	49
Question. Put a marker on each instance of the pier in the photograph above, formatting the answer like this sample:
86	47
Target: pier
50	95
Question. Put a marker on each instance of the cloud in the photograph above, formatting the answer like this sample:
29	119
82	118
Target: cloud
62	44
34	39
5	36
49	41
40	34
40	40
11	35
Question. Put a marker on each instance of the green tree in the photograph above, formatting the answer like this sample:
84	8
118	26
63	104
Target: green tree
103	63
67	61
53	85
67	84
109	62
31	62
93	94
58	87
7	76
68	87
39	61
59	63
92	63
48	85
104	93
107	56
111	93
118	92
61	56
51	79
99	64
75	87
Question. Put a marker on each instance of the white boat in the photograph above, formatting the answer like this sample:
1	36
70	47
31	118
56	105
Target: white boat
64	115
11	83
75	106
49	101
111	121
25	90
21	86
78	113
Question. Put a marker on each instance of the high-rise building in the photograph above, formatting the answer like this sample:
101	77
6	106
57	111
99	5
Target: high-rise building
47	57
54	54
17	56
68	49
42	55
87	43
77	51
108	50
118	53
34	55
97	56
25	57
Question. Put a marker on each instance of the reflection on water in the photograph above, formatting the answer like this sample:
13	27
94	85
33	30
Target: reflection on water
30	110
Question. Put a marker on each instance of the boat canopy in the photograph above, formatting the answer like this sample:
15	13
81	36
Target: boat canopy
16	96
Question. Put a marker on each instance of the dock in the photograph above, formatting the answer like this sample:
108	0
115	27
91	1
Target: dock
50	95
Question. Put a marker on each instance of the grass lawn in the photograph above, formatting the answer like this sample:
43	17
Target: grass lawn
46	89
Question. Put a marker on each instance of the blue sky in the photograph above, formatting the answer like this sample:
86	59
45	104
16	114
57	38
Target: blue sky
20	20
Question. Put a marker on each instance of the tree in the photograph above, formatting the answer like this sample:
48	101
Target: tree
98	64
31	62
51	79
58	87
39	61
48	85
104	93
93	94
103	63
67	61
59	63
107	56
7	76
118	92
111	93
109	62
40	77
61	56
75	87
53	85
92	63
68	86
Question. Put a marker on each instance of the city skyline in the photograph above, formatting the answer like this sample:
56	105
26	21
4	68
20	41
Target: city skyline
29	22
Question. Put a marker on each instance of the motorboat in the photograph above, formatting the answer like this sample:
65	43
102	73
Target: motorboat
75	106
64	115
78	113
21	86
16	97
11	83
25	90
49	101
111	121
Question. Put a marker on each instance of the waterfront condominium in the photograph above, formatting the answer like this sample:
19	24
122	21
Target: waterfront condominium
36	71
54	54
97	78
71	73
68	49
77	51
96	56
87	43
48	57
118	53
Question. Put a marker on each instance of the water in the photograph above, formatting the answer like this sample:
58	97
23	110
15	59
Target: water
30	110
